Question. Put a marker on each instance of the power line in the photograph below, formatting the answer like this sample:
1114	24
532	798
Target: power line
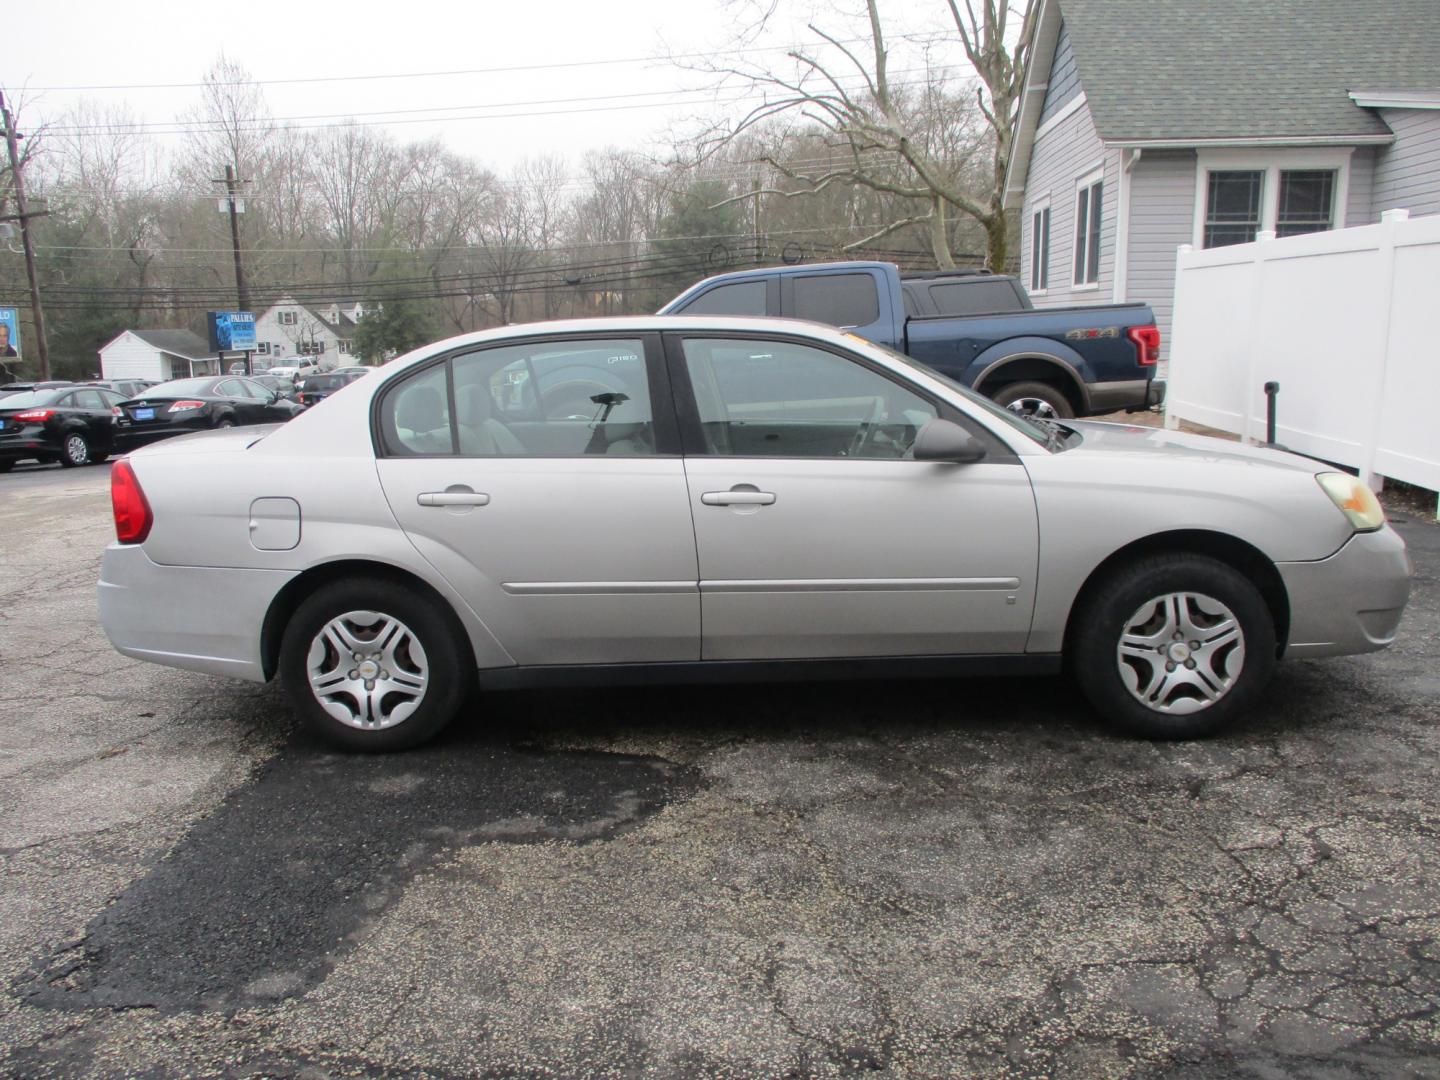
506	70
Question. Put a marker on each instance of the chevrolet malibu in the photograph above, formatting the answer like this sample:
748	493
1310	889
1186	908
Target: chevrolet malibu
673	498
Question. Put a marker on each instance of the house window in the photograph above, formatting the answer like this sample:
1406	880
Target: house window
310	348
286	318
1232	206
1285	192
1040	250
1088	195
262	348
344	347
1307	201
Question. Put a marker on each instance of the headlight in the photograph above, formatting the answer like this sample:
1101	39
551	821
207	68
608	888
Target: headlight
1356	501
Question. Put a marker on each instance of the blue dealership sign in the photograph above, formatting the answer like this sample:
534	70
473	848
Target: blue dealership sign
232	331
9	333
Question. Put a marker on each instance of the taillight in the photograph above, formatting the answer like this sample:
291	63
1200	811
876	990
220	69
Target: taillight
186	406
1147	343
132	511
35	416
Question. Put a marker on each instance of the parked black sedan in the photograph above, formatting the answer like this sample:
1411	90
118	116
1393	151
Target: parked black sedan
185	405
74	425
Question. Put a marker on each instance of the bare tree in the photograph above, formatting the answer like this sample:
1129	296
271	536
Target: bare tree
917	147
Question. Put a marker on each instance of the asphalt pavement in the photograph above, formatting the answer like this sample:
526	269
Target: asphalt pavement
933	879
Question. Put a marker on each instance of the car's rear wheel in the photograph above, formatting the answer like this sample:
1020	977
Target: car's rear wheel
1034	399
226	422
74	451
373	666
1174	646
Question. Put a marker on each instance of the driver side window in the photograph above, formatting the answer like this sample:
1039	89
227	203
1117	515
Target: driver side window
778	399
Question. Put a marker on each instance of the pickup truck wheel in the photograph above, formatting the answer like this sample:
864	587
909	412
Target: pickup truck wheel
1034	399
1173	646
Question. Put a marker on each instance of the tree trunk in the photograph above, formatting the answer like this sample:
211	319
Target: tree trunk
940	235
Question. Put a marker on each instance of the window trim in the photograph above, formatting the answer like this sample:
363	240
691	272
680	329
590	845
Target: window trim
1040	206
662	400
1083	184
1272	162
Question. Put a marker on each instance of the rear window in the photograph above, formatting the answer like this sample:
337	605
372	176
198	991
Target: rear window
28	399
325	382
975	297
837	299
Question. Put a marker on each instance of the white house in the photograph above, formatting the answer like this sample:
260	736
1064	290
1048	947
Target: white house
158	355
288	329
1146	126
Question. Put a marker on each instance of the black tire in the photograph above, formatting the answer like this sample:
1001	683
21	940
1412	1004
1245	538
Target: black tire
1244	665
447	664
224	422
75	450
1044	395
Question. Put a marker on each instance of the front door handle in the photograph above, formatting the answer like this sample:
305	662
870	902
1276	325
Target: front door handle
737	498
453	498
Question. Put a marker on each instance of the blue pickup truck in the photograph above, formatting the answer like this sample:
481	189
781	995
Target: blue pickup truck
977	328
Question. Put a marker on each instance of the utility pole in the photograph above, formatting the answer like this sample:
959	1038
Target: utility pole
242	292
755	217
23	216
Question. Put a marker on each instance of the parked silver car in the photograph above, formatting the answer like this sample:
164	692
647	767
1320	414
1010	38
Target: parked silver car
712	498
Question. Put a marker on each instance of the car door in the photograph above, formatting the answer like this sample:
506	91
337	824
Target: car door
96	406
818	536
543	480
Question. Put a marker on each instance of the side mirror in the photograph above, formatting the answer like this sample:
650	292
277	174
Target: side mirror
941	440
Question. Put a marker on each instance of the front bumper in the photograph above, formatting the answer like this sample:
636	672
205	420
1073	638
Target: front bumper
1351	602
199	618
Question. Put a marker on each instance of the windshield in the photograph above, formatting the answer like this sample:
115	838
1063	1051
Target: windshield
1023	425
28	399
180	388
325	382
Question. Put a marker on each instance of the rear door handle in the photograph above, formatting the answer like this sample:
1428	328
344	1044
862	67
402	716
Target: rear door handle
737	498
453	498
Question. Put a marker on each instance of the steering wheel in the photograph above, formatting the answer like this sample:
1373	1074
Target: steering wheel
865	433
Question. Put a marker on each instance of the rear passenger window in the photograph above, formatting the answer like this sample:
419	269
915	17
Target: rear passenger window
837	299
738	298
555	399
542	399
415	416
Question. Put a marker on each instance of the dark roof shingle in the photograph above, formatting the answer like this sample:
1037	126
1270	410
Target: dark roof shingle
1215	69
184	343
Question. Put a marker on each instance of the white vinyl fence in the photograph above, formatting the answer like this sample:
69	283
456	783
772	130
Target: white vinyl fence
1347	322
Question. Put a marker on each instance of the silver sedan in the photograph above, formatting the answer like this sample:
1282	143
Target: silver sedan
672	498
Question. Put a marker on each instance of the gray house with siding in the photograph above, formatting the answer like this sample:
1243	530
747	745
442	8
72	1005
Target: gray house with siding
1148	124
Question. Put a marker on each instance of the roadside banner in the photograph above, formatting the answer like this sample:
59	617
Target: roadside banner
231	331
9	333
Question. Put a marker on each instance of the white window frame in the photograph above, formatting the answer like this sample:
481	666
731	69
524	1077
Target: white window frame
1079	250
1040	206
1272	163
287	318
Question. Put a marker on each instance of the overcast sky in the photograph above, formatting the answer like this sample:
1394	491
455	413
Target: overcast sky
581	74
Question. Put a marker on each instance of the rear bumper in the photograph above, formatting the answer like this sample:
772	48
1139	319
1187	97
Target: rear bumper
1132	395
1351	602
199	618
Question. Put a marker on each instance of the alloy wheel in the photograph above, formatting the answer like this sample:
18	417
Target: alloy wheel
77	451
1033	406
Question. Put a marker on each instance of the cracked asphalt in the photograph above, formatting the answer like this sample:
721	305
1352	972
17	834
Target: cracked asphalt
937	879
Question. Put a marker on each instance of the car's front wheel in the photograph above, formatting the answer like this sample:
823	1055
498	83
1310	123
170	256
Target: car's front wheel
373	666
1174	646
